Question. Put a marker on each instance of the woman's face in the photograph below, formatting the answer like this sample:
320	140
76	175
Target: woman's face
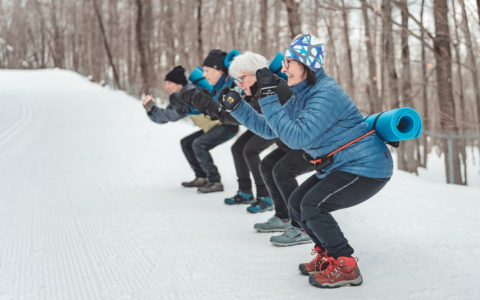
294	70
212	75
245	80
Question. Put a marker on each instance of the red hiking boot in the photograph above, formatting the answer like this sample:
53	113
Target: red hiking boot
314	266
339	272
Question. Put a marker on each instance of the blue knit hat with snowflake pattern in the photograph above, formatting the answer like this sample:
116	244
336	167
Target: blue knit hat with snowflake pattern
308	50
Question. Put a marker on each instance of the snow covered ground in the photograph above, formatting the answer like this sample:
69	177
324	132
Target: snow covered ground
91	207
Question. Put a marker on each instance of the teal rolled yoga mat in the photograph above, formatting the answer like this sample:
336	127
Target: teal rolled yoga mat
196	77
276	65
397	125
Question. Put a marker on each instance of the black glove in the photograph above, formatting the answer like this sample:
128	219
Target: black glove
223	92
179	104
267	82
230	100
187	95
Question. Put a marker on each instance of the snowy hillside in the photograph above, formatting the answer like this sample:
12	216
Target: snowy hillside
91	207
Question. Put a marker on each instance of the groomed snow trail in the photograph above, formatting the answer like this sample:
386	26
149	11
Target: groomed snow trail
91	207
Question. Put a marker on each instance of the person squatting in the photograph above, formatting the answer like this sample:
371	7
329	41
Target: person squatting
308	116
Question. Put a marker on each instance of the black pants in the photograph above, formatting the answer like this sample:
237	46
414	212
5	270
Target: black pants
196	148
312	202
279	170
246	156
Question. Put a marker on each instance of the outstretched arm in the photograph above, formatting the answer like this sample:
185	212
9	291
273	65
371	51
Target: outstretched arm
160	115
254	121
205	103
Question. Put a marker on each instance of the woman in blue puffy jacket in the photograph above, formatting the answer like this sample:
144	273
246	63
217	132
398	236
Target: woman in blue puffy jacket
320	118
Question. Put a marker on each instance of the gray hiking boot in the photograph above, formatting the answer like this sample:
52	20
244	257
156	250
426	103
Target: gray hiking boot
291	236
274	224
197	182
211	187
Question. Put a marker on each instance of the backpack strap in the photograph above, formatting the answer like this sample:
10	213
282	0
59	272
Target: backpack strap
391	143
197	80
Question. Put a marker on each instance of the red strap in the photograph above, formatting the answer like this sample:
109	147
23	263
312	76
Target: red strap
319	160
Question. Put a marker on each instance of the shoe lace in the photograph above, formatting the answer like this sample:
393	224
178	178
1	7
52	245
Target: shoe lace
320	260
333	266
290	231
317	260
262	203
237	198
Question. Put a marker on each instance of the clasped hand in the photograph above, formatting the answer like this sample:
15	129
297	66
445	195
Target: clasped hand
229	99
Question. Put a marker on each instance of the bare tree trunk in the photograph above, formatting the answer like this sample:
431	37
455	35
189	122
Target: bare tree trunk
212	29
408	147
59	50
141	45
424	155
105	44
383	63
375	105
75	53
392	78
459	66
276	26
346	35
473	64
316	16
43	50
294	20
443	59
232	23
389	53
170	34
130	46
199	30
182	35
263	27
239	32
460	91
478	11
333	52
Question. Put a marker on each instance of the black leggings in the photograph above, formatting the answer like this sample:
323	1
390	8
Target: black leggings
312	202
246	156
279	171
197	146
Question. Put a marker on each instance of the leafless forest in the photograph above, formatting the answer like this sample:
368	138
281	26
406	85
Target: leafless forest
385	53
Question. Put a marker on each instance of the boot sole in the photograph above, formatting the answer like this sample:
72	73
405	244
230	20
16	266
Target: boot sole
304	271
202	192
290	244
260	211
356	282
270	230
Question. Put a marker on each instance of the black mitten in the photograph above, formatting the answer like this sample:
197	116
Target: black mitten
230	100
176	100
267	82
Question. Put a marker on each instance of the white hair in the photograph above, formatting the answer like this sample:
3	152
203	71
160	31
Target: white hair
248	62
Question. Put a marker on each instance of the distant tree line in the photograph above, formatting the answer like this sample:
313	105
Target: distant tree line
385	53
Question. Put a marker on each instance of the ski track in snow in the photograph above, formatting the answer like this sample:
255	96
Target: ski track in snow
91	208
11	130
